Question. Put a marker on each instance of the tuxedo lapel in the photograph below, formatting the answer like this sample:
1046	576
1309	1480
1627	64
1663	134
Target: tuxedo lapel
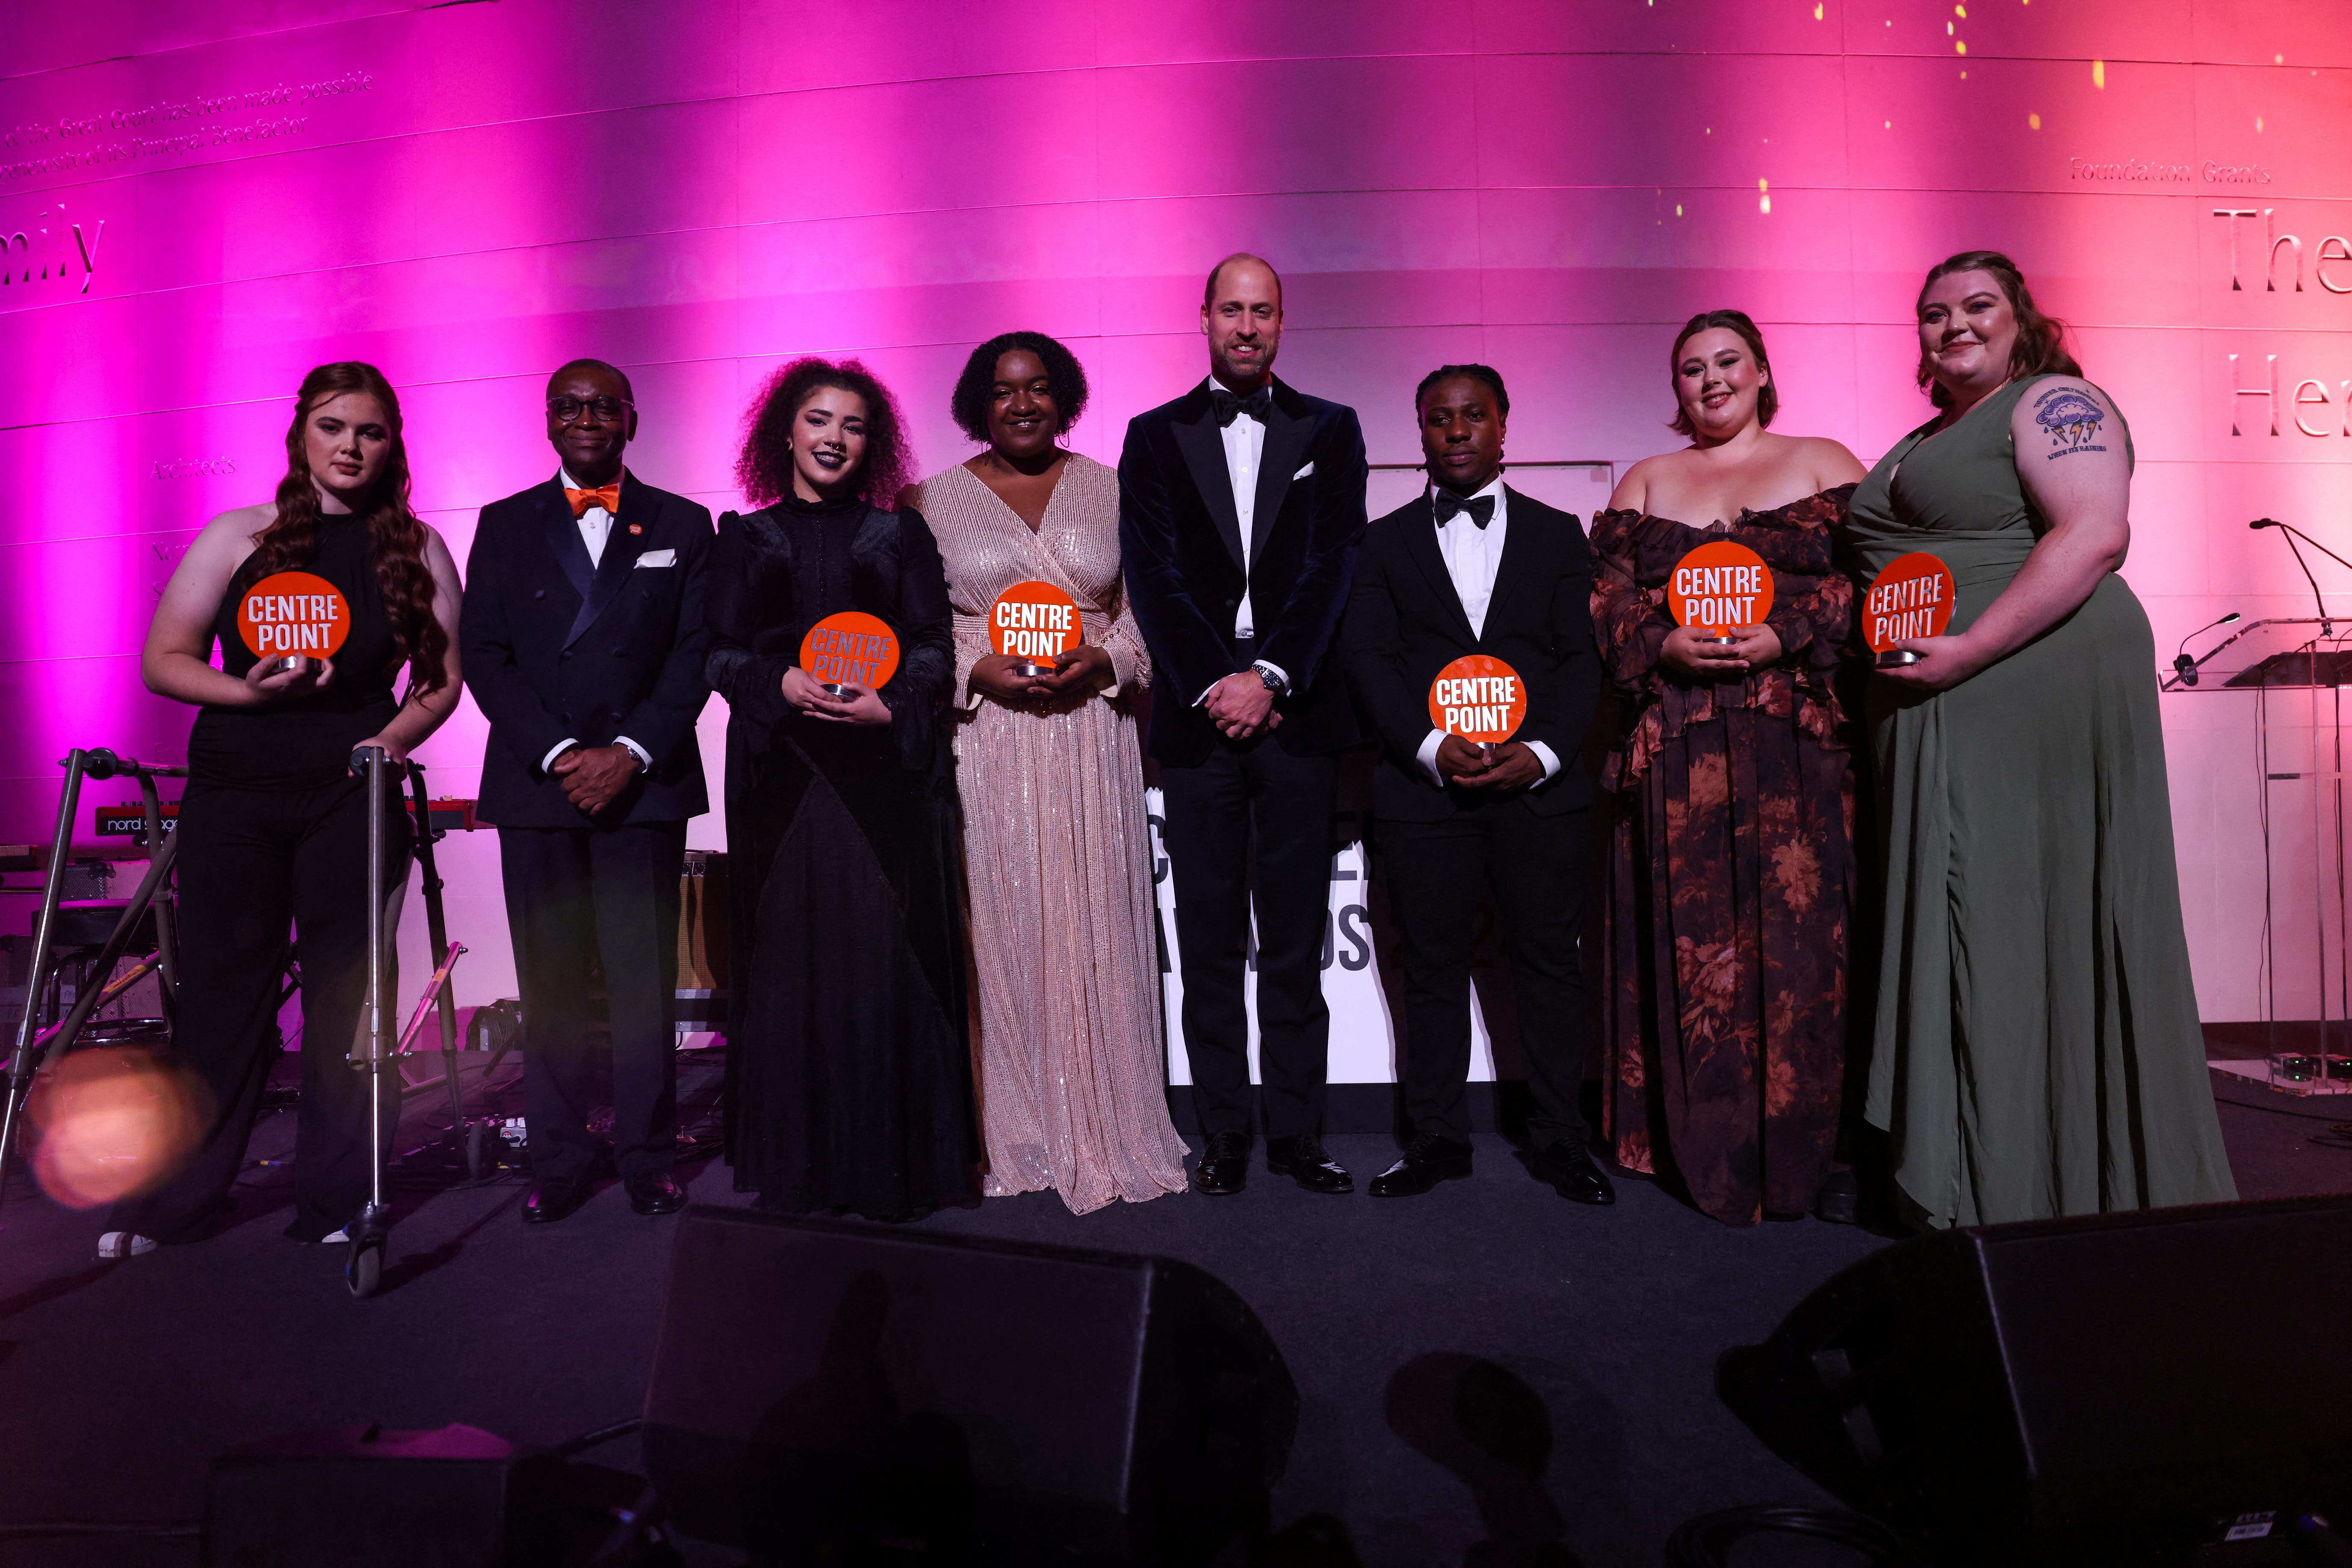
1203	443
622	549
1522	546
563	532
1286	436
1421	545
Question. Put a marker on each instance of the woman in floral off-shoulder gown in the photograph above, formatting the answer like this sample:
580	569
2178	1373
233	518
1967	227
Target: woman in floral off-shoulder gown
1729	875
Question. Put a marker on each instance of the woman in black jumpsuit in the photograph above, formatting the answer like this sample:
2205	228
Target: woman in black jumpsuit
273	827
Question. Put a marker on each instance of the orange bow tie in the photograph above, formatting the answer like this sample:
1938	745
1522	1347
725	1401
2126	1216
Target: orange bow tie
609	498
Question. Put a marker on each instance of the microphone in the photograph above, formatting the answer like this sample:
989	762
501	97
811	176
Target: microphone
2291	533
2186	666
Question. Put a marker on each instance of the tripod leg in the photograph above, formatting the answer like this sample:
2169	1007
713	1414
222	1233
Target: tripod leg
436	927
87	992
166	940
364	1270
20	1060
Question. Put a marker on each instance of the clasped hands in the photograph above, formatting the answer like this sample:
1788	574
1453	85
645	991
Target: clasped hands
1514	765
1081	672
594	776
1754	647
864	705
1241	706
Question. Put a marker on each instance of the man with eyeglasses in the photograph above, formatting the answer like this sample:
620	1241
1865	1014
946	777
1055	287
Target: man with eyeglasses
583	642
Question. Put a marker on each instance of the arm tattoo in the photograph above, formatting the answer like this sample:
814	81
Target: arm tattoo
2072	420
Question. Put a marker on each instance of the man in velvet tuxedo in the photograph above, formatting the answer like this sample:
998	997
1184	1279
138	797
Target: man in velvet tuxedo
1473	566
584	643
1241	504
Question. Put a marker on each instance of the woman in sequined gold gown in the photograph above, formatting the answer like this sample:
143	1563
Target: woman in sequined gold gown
1057	847
1730	868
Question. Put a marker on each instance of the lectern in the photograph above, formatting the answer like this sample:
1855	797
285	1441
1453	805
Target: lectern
2294	671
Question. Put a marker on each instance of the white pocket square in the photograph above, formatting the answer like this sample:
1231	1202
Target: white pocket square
1302	473
658	558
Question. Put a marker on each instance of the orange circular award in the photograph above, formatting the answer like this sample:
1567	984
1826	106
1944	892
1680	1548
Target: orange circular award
1914	597
850	648
1718	586
293	615
1034	624
1480	699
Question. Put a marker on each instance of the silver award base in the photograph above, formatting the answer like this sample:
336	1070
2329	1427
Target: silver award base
1486	751
832	689
1719	640
1030	669
1895	659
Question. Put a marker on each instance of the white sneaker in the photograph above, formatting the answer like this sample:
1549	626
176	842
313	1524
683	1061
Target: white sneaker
124	1243
335	1237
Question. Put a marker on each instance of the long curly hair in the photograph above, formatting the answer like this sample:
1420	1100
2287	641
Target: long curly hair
395	533
1065	381
2041	340
764	468
1768	396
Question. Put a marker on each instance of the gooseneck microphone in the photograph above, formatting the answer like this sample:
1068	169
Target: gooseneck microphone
2326	623
2186	666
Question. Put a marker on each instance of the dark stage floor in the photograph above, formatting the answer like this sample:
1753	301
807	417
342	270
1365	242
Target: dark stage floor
119	1381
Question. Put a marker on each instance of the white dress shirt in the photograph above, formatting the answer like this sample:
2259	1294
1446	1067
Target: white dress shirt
595	527
1470	554
1244	441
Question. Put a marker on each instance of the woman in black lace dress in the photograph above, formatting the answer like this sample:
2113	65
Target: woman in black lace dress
849	1073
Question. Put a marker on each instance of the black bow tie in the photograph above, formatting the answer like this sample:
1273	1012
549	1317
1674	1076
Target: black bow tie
1258	404
1480	508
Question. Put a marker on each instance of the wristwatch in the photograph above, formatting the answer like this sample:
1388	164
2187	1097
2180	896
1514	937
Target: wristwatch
1276	681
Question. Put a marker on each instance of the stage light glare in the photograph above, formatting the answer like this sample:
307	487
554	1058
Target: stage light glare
2033	122
112	1123
2099	75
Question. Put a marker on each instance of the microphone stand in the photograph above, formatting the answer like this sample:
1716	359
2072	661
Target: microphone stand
2326	622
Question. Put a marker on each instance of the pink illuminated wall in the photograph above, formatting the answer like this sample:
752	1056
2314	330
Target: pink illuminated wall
213	197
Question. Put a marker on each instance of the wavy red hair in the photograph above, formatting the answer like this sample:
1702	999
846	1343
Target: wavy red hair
395	533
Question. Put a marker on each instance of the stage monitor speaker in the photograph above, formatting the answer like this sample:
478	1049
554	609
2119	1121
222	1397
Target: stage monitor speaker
821	1386
360	1497
2076	1391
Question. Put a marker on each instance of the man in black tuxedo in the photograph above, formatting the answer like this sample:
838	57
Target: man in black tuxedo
1241	504
1473	566
584	643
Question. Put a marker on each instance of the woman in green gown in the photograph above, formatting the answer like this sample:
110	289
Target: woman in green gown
2036	1048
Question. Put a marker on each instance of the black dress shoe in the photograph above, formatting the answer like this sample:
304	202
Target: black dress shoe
655	1192
1302	1159
1223	1169
552	1201
1428	1160
1572	1174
